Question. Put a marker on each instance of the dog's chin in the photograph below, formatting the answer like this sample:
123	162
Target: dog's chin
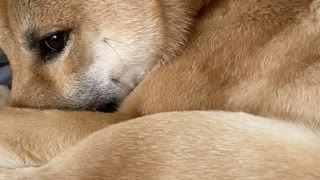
109	107
101	105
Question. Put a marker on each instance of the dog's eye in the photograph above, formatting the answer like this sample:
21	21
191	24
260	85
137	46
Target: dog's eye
56	42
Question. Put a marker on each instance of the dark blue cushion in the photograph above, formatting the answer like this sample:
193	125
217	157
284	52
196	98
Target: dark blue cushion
5	75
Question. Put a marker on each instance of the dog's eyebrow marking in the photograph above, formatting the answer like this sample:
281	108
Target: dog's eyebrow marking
30	39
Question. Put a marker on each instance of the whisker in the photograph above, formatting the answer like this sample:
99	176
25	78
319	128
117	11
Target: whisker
123	85
127	87
106	41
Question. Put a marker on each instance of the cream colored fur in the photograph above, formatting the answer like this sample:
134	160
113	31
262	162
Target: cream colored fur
189	145
194	66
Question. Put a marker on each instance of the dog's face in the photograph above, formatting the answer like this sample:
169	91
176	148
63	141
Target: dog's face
80	54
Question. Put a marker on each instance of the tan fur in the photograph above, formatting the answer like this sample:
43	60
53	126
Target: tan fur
259	57
4	95
189	145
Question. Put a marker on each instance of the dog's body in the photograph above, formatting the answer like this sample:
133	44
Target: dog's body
260	57
189	145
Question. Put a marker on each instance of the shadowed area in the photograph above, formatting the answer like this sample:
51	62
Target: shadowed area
5	75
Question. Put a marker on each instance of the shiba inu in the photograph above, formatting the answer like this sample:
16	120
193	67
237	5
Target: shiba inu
183	78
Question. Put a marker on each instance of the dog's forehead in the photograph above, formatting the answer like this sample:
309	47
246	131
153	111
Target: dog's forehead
41	14
19	18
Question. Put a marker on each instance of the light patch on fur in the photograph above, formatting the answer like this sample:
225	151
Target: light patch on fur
118	67
275	129
4	95
8	159
315	8
127	59
315	12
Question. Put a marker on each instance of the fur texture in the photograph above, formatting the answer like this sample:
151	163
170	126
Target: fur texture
4	95
259	57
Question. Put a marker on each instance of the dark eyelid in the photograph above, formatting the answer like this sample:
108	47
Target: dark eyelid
32	39
43	47
34	42
44	36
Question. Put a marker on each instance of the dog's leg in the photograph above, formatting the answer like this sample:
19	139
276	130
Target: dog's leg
33	137
188	145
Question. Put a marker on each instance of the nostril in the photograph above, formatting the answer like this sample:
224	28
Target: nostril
108	107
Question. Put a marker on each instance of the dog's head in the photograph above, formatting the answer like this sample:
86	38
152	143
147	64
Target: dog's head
79	54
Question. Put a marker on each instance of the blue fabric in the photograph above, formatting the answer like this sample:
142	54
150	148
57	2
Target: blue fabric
2	57
5	75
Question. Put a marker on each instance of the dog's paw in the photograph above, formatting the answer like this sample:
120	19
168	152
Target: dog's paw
4	95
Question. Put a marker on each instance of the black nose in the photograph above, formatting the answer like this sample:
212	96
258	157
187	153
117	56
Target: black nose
108	107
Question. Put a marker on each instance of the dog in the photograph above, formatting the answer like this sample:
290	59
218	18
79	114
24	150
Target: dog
183	78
